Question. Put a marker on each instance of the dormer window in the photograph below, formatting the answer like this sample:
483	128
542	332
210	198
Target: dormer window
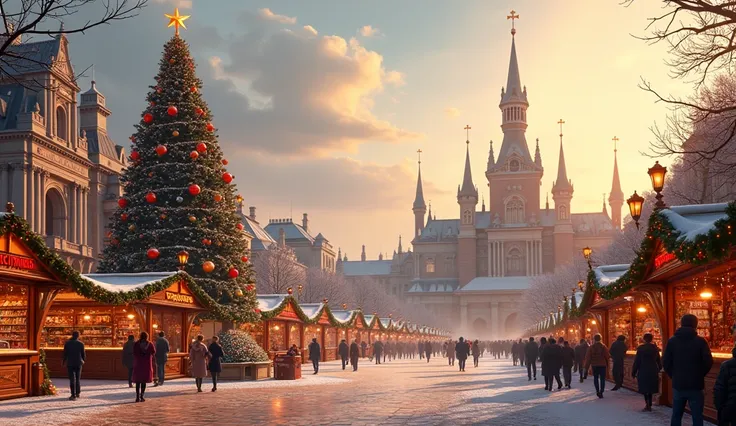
514	166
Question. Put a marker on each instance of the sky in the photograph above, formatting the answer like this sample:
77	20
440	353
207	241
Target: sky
321	106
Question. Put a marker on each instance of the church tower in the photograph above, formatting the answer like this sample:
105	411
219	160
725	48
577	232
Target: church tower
467	198
514	177
562	190
420	207
616	197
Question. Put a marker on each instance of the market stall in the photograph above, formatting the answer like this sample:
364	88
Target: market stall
282	324
169	306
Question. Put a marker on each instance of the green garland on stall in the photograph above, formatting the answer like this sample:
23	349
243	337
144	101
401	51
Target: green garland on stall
272	313
10	223
47	388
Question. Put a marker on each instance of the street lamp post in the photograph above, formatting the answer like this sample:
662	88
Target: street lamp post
587	252
183	258
657	173
635	203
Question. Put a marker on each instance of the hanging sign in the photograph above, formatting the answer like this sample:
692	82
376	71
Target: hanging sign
12	261
179	298
663	259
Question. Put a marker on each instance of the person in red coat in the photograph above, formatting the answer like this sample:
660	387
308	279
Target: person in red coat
143	353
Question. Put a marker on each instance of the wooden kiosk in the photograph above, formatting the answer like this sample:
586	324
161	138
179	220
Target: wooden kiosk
104	328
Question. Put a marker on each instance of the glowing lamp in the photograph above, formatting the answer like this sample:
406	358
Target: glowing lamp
131	316
276	327
87	317
155	326
290	290
581	284
656	173
593	322
183	258
587	251
635	203
706	293
641	309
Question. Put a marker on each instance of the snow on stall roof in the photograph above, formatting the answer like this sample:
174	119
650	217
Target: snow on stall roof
606	274
695	220
578	299
126	282
385	321
496	283
269	302
368	319
311	310
342	316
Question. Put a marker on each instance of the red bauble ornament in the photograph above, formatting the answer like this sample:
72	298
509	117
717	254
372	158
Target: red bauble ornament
250	287
152	253
202	147
172	111
135	156
244	258
218	197
132	138
194	189
124	217
227	177
122	202
233	273
240	226
158	90
206	242
148	118
199	111
172	61
210	127
224	162
161	150
193	155
193	89
151	197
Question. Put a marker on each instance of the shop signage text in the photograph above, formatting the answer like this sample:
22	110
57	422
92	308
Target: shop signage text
179	298
17	262
663	259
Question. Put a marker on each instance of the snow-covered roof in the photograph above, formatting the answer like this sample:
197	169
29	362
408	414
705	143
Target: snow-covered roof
269	302
694	220
368	319
261	239
496	283
311	310
578	299
292	231
369	267
606	274
342	316
126	282
385	322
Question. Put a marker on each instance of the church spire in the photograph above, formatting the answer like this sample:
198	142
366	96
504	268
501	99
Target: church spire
616	197
491	158
429	216
605	211
562	183
468	188
419	208
401	250
537	155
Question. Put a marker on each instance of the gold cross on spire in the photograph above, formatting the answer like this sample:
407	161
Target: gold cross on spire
561	122
467	133
419	154
177	20
615	144
514	16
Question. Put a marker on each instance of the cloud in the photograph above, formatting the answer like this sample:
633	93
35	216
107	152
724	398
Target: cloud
395	78
452	112
181	4
310	30
369	31
266	13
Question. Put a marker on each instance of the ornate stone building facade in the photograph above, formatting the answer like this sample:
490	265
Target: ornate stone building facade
57	163
473	270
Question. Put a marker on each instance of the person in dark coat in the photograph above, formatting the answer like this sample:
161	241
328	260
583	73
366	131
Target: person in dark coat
551	364
293	351
522	354
315	354
215	364
724	392
427	349
531	352
568	359
162	356
514	352
687	360
355	354
363	347
540	352
597	358
144	352
581	350
462	350
475	350
647	365
74	358
128	358
377	351
344	350
420	348
618	353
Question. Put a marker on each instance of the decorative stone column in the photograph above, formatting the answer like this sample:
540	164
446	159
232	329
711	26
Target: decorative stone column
42	202
72	212
4	181
80	213
18	192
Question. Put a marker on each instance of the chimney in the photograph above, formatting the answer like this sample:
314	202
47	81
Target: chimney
362	255
252	212
282	237
380	256
305	222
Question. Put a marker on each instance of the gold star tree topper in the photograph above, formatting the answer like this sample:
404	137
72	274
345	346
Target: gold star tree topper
177	20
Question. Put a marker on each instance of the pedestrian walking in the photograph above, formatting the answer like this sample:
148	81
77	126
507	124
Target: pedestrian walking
427	349
74	358
354	354
128	357
344	350
475	349
215	364
450	352
144	353
377	351
618	353
514	352
687	360
162	356
315	354
198	356
724	392
531	352
363	347
581	350
542	347
551	364
647	365
462	350
597	359
568	360
522	354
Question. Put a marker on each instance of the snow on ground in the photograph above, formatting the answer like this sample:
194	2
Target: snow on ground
100	395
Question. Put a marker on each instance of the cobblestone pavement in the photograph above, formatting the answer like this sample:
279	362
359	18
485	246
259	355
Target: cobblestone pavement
401	392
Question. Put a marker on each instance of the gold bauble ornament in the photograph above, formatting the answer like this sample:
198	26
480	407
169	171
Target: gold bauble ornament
208	266
192	219
175	133
131	228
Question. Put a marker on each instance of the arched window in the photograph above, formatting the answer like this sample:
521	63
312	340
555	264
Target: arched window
514	263
61	123
514	165
562	212
514	210
56	223
467	217
429	266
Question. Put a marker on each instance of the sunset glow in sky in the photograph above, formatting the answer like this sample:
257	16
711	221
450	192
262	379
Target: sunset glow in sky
322	105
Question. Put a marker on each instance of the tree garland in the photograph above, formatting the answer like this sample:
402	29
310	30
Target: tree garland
47	388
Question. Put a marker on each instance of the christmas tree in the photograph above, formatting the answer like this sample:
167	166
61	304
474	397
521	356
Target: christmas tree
178	195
